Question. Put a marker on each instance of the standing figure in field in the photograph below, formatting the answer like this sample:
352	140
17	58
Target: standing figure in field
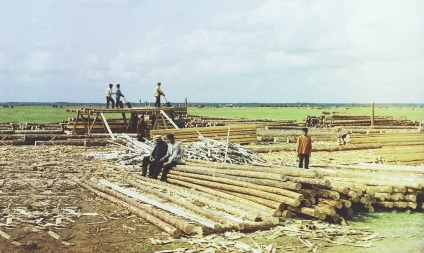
156	159
173	156
141	129
118	96
109	98
158	93
304	148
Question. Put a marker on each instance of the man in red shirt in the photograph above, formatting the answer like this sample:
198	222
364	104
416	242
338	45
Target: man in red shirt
304	148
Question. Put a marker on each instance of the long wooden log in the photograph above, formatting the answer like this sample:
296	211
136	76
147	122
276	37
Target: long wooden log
312	181
262	194
174	232
218	205
246	208
204	212
267	206
287	193
267	182
285	171
242	173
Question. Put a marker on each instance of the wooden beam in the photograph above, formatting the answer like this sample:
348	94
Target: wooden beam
107	126
169	119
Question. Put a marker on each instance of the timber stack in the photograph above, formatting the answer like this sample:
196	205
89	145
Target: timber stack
334	119
207	121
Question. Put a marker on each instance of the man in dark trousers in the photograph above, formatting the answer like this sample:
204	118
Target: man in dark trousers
173	156
109	98
156	159
304	148
158	93
118	96
141	129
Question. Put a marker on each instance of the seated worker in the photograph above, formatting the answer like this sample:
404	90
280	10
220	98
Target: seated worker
173	156
181	122
156	159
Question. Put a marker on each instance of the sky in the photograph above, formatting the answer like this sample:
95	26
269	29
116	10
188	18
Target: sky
225	51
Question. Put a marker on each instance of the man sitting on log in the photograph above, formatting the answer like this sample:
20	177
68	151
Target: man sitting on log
173	156
304	148
156	159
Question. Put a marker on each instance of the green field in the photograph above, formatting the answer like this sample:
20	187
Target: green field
48	114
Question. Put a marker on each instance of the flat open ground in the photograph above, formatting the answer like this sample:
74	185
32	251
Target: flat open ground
43	210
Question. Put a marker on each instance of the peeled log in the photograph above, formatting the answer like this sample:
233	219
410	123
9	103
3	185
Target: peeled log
262	194
322	193
174	232
267	207
218	179
218	205
267	182
312	181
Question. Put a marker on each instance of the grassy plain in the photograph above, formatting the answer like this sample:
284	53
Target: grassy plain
48	114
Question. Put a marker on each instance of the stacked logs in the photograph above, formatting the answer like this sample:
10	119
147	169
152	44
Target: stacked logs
323	194
208	121
341	119
235	134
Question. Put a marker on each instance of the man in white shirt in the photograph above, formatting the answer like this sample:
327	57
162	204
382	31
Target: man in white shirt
158	93
109	98
173	156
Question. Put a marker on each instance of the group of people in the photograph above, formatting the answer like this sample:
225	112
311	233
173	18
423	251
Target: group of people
118	94
163	158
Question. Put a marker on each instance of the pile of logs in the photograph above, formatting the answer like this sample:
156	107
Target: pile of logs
208	121
236	134
398	148
342	119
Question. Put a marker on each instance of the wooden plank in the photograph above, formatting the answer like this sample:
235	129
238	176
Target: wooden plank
107	126
169	119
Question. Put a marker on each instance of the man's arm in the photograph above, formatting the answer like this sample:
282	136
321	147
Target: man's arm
175	152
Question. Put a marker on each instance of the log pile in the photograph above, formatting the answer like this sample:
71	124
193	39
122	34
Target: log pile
398	148
236	134
208	121
342	119
323	194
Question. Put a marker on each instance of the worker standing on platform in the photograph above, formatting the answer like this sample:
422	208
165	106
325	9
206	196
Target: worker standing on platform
158	93
118	96
304	148
109	98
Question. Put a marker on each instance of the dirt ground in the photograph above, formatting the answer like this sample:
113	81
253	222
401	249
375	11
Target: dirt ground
43	210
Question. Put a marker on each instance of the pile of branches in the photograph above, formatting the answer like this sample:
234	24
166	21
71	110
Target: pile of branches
220	151
205	149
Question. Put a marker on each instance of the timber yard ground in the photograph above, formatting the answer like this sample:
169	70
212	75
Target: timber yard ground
43	210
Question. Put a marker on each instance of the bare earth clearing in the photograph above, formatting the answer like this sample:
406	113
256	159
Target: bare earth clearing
43	210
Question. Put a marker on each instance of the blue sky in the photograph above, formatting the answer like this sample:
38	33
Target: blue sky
276	51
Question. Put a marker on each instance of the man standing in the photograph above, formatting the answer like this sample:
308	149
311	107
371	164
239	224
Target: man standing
118	96
158	93
109	98
304	148
173	156
156	159
141	129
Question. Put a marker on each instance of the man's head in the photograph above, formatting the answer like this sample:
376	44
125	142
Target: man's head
118	85
171	138
159	84
305	131
110	85
158	138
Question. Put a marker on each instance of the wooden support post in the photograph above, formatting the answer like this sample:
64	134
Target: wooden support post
372	114
94	121
107	126
169	119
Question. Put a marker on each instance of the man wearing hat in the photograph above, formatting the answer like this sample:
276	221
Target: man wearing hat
156	159
157	94
118	96
173	156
